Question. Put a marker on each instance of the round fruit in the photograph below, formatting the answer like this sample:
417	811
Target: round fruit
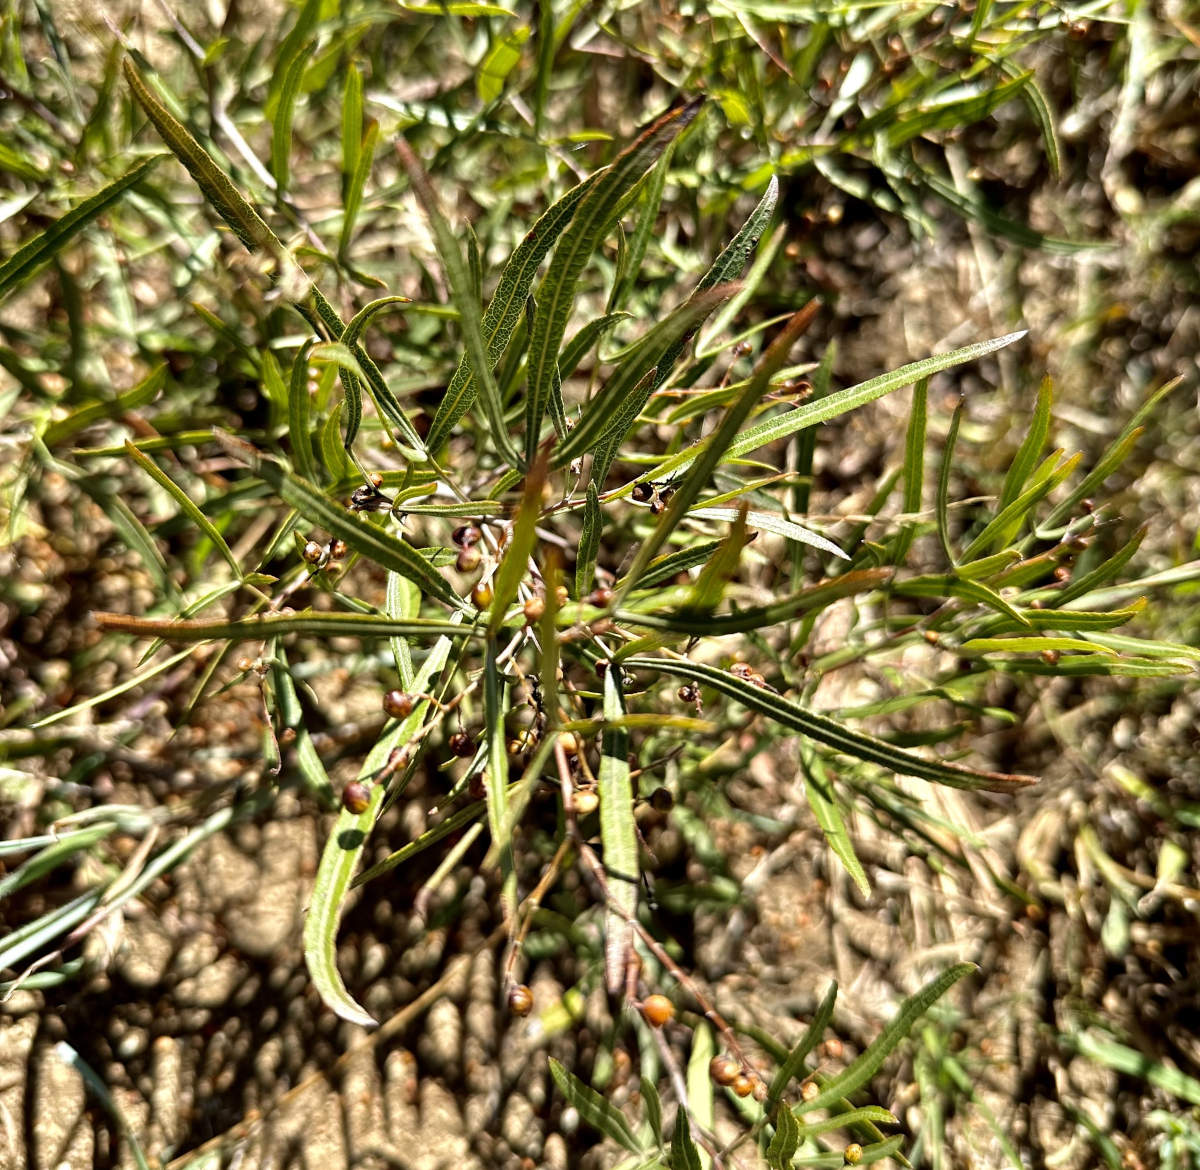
724	1070
600	597
397	704
313	552
534	608
469	559
657	1010
688	693
482	595
586	801
810	1090
466	536
853	1154
642	492
461	744
661	800
520	1000
356	797
742	1085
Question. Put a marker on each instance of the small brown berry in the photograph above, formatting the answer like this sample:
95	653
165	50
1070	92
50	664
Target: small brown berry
334	567
658	505
244	664
1089	506
688	693
524	741
476	787
561	595
810	1090
742	1085
761	1092
313	552
481	595
469	559
657	1010
569	742
534	608
600	597
642	492
356	797
833	1048
742	349
398	705
741	670
1051	657
724	1070
520	1000
932	637
661	800
853	1154
586	801
461	744
338	548
466	536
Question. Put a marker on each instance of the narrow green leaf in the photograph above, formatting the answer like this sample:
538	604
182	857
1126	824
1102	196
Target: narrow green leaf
943	485
718	444
595	1110
291	715
854	1077
1030	645
186	504
589	542
795	1065
670	566
495	707
585	337
49	859
352	128
247	224
684	1155
281	129
505	308
299	409
810	414
312	623
27	259
344	847
352	204
522	541
914	468
786	1141
647	218
700	1083
770	522
618	836
610	415
709	588
593	217
500	61
1007	522
376	543
824	730
1030	449
653	1105
141	394
469	312
823	801
1105	572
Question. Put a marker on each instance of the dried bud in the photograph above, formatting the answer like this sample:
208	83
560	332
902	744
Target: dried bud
642	492
688	693
313	552
657	1010
1051	657
338	548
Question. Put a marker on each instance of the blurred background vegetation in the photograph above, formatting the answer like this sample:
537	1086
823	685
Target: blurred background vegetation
948	173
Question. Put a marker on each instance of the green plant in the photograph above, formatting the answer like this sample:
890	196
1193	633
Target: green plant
663	428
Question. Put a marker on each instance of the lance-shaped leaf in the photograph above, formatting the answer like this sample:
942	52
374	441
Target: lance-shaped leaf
311	623
794	1064
495	702
462	292
515	565
27	259
589	542
706	461
593	218
227	201
810	414
608	417
345	845
505	308
823	801
618	835
595	1110
824	730
868	1064
361	535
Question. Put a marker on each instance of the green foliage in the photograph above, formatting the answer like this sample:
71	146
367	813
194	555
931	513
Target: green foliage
575	391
